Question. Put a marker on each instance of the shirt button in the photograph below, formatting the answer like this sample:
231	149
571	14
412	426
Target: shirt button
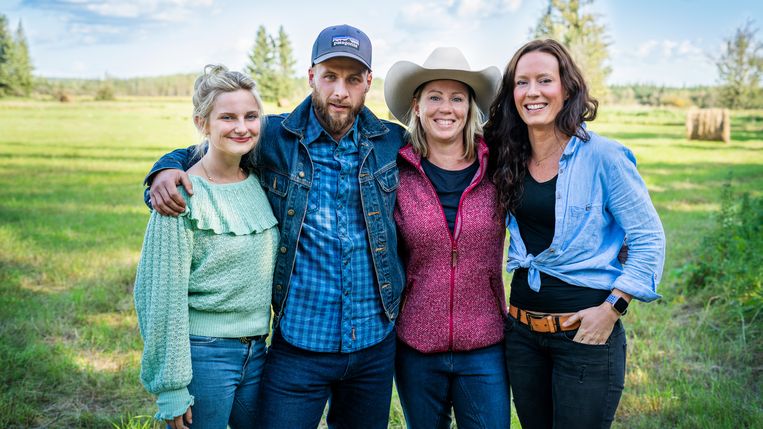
283	249
301	174
279	287
290	212
551	250
561	170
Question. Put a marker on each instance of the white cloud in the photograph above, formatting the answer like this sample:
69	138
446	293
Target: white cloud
688	48
645	49
486	8
452	14
152	9
424	16
668	49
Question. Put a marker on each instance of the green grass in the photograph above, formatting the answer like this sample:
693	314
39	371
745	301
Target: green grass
72	222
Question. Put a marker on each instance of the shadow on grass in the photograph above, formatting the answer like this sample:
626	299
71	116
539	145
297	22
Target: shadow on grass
83	157
745	136
159	150
49	353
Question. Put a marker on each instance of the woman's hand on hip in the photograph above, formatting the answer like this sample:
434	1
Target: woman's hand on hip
596	324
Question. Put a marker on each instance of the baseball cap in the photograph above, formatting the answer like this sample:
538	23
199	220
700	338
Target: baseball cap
342	41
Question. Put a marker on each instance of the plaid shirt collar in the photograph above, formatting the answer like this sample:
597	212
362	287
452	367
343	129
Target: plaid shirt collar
315	130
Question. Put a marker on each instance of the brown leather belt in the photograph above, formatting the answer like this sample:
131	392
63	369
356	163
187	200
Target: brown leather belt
543	323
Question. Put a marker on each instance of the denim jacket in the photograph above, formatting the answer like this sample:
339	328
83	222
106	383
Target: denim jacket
600	199
286	173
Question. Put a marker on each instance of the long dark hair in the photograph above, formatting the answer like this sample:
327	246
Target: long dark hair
506	132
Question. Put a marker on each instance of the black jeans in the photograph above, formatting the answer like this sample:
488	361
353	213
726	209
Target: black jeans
558	383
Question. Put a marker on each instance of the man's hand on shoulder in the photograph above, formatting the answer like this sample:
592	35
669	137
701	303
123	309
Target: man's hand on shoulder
165	197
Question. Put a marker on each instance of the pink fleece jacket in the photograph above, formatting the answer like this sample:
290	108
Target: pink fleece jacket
454	296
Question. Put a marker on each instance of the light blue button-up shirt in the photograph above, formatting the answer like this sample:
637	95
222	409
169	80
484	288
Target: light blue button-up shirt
600	199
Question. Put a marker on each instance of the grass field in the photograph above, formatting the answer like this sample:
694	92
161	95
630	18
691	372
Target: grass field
72	222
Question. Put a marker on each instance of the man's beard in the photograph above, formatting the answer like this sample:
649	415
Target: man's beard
335	125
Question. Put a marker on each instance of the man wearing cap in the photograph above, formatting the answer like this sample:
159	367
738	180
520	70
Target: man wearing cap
329	171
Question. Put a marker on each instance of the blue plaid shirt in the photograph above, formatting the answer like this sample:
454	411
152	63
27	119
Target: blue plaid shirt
333	303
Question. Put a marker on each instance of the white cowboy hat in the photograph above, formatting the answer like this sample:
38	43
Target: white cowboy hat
443	63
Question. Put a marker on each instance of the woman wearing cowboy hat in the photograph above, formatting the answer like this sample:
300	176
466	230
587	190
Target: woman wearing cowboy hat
450	352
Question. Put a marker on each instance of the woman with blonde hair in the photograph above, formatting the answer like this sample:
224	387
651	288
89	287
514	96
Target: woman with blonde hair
450	353
203	285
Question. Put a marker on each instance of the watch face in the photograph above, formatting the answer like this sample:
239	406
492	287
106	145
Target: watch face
621	305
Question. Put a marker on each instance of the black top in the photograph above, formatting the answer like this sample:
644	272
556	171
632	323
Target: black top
535	216
450	185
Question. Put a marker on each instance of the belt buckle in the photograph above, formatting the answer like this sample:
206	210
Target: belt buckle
549	320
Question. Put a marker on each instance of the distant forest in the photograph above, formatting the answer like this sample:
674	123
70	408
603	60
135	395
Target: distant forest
175	85
181	85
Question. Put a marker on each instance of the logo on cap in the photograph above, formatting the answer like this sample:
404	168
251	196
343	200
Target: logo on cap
345	41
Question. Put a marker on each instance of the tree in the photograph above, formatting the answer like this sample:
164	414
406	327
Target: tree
262	65
567	22
21	65
6	58
286	62
740	66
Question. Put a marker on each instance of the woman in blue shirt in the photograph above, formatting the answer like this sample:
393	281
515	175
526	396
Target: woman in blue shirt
571	198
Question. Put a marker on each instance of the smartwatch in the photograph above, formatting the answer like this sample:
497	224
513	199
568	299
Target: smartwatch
619	304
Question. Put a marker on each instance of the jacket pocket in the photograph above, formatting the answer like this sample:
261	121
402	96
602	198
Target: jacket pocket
496	287
276	186
274	182
388	178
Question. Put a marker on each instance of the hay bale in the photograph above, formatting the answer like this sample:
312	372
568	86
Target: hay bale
708	124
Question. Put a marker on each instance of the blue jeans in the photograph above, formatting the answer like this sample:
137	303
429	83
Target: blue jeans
226	381
473	382
296	384
558	383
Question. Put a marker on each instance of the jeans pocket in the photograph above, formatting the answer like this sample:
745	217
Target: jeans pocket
200	340
568	336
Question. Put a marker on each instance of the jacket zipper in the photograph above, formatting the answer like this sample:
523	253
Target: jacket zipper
453	240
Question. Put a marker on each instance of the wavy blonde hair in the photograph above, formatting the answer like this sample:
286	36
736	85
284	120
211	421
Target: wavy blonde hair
216	79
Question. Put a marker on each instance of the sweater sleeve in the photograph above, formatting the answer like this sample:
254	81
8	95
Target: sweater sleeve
161	302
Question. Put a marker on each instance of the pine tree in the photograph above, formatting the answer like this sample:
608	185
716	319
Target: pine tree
262	65
286	62
21	65
585	38
740	67
6	58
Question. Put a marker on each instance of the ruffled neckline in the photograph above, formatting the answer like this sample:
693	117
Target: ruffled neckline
239	208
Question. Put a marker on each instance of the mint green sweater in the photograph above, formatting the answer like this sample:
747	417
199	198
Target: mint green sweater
206	272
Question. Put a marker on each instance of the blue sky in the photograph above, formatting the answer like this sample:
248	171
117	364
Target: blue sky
667	42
